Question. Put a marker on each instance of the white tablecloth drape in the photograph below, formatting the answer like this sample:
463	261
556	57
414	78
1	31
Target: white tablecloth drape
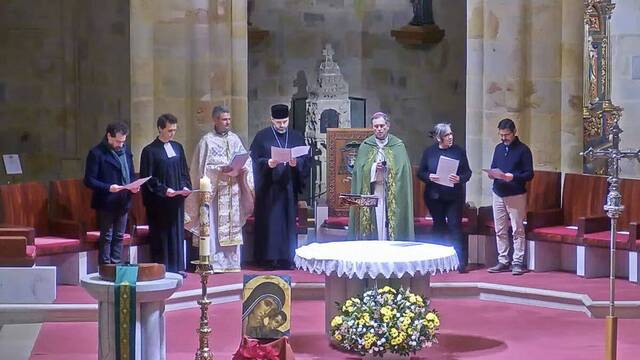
373	258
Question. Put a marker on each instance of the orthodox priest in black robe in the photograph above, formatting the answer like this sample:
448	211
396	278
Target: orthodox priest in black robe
277	185
165	161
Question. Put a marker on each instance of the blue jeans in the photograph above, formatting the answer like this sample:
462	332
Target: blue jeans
112	227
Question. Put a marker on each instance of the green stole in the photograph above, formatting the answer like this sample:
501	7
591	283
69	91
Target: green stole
125	311
399	190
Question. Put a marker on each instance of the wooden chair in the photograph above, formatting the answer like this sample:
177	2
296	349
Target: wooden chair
556	235
25	208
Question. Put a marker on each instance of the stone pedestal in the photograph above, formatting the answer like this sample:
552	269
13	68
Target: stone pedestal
150	322
28	285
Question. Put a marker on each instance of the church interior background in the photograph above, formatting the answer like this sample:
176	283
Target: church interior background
69	67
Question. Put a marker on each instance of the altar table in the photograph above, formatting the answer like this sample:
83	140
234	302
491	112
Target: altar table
351	267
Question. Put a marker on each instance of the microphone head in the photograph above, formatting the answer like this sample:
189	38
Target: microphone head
384	162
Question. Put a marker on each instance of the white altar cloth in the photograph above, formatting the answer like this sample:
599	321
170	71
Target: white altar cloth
373	258
351	267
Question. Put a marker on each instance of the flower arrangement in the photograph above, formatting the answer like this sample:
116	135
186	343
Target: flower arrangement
386	319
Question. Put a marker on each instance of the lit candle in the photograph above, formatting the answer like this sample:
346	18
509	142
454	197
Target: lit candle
204	247
205	184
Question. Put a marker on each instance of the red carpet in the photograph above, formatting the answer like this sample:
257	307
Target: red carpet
597	289
471	329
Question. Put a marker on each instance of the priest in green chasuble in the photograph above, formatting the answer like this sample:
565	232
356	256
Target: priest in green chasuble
232	190
382	168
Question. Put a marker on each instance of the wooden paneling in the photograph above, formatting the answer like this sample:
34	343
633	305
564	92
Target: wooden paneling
71	200
342	147
543	192
583	195
25	204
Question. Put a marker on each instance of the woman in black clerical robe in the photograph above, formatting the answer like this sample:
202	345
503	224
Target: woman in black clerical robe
164	160
445	203
277	190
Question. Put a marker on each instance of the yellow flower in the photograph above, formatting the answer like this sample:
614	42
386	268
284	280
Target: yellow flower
338	337
366	318
394	332
336	321
348	303
387	289
431	317
386	318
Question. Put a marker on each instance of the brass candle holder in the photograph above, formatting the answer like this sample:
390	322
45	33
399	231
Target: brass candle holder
204	269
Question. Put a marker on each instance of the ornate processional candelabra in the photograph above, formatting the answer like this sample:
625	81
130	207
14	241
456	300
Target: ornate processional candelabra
204	269
614	209
602	133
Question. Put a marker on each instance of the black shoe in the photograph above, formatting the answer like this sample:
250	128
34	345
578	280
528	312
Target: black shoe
499	268
517	269
462	269
183	273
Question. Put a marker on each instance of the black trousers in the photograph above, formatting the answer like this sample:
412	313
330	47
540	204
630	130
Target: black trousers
447	224
112	226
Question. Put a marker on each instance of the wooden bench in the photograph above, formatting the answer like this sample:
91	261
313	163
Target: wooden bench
71	200
423	222
15	251
57	241
556	235
138	246
596	235
543	192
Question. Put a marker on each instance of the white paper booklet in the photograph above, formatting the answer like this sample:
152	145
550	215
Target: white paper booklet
446	166
284	155
136	183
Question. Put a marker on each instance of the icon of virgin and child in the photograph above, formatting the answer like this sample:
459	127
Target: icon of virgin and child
266	306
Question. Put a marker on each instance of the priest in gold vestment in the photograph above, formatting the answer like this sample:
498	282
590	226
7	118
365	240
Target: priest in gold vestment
232	190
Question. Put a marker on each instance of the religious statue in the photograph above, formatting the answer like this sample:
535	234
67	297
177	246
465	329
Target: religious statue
422	13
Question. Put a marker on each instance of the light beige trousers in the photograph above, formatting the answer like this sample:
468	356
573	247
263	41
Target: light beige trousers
514	208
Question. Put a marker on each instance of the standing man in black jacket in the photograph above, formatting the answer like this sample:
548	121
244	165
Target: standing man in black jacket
110	166
511	168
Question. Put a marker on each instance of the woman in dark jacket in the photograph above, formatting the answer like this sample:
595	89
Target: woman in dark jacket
445	197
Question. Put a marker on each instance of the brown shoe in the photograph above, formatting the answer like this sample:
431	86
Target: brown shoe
499	268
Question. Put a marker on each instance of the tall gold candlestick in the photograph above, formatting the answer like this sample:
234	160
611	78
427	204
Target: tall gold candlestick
204	269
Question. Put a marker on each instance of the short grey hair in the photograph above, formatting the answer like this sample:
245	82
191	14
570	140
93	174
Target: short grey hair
440	130
219	110
380	114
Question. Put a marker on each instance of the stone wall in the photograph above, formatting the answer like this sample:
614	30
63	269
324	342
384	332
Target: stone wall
524	62
418	87
64	74
186	57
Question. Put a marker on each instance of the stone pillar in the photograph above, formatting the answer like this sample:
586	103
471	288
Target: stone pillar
475	96
524	63
571	79
229	67
187	57
496	83
542	95
142	20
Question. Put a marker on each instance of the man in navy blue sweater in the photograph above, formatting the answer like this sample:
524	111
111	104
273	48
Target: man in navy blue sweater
511	168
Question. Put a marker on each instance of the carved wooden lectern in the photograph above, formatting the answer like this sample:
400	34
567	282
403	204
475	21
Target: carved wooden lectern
357	201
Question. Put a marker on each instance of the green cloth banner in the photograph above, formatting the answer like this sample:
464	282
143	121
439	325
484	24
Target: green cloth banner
125	311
